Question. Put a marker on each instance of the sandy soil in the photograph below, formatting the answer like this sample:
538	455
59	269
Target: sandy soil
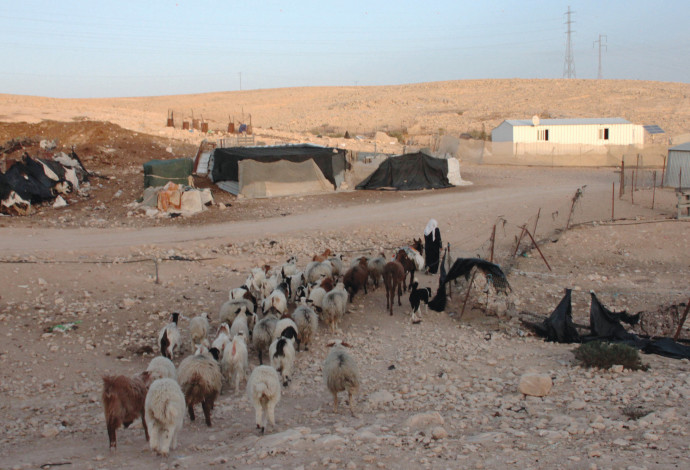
92	263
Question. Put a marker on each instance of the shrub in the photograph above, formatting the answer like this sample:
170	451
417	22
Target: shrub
635	412
604	355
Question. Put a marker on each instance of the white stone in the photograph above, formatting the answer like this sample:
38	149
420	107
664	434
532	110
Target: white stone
381	397
535	385
423	420
439	433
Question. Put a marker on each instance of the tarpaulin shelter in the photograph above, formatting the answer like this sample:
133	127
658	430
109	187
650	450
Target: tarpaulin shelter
273	172
160	172
412	171
604	325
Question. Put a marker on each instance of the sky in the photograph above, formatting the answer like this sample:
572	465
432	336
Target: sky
98	48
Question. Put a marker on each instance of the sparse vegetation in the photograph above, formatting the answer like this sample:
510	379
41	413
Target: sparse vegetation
604	355
480	135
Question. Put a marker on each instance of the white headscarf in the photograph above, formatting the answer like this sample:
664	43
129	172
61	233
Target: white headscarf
431	229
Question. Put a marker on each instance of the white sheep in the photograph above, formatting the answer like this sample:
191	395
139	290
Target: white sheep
375	266
295	281
263	391
336	265
317	270
240	324
262	334
235	361
316	296
285	327
340	373
161	367
222	337
200	379
164	407
307	324
290	268
268	285
334	306
282	354
253	282
278	299
198	329
230	309
169	337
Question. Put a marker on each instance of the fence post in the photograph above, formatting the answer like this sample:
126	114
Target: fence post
613	198
622	189
654	190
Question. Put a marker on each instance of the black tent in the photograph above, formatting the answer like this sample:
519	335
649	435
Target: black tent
331	161
408	172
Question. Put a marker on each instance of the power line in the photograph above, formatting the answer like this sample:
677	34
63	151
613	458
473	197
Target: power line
569	65
600	75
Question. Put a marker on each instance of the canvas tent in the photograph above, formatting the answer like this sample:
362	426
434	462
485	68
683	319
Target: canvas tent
407	172
278	170
678	167
160	172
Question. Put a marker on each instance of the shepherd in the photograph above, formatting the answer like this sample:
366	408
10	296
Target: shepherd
432	246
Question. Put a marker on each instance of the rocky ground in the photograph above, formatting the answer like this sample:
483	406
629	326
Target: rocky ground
441	394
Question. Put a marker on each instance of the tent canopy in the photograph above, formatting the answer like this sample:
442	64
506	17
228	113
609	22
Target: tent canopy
407	172
281	178
330	161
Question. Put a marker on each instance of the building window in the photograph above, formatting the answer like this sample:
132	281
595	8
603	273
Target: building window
543	134
604	134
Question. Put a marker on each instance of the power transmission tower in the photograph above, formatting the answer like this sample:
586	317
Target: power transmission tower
600	75
569	65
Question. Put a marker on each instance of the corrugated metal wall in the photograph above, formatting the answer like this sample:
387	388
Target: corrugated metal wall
502	133
678	161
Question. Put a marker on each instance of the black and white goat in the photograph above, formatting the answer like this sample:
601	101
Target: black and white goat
417	297
169	337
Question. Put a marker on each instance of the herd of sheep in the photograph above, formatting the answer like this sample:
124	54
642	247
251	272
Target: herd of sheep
275	311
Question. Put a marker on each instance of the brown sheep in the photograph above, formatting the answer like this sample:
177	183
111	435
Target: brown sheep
200	379
323	256
356	278
394	278
123	402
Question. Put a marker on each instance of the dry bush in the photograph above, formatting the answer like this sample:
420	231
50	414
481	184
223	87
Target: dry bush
635	412
604	355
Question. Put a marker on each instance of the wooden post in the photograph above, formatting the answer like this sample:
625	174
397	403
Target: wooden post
637	172
537	247
534	230
613	199
632	192
682	321
155	260
450	290
654	189
467	296
663	171
493	241
622	179
517	245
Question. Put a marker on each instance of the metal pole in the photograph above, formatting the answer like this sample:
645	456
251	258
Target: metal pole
681	322
632	192
663	171
654	190
622	179
493	240
534	230
517	245
613	198
537	247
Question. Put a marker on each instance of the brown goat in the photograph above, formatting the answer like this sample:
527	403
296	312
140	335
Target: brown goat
356	278
123	402
323	256
327	284
200	379
394	278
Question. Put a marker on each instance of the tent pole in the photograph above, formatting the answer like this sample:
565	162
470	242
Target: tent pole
681	322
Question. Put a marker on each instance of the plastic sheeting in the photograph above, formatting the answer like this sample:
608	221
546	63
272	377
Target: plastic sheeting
412	171
282	178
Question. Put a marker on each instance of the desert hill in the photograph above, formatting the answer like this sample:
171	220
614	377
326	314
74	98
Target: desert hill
450	107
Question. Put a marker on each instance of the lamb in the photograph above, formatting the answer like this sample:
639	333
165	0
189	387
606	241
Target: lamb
334	306
278	298
357	261
169	337
230	309
123	401
164	408
262	335
307	323
263	391
200	380
317	270
295	281
198	329
340	373
161	368
317	294
375	266
268	285
240	324
289	268
356	278
235	362
282	354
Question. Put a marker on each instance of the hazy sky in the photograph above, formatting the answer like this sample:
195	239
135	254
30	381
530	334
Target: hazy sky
97	48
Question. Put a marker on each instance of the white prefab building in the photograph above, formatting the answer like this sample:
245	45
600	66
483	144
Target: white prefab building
596	141
677	173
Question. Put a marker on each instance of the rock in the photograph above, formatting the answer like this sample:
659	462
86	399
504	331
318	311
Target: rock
279	439
424	420
330	441
49	430
439	433
486	437
381	397
617	368
535	385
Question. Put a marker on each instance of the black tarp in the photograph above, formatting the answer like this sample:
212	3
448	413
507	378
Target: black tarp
26	186
328	159
605	325
412	171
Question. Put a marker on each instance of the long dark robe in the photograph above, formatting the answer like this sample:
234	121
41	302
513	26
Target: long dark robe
432	250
